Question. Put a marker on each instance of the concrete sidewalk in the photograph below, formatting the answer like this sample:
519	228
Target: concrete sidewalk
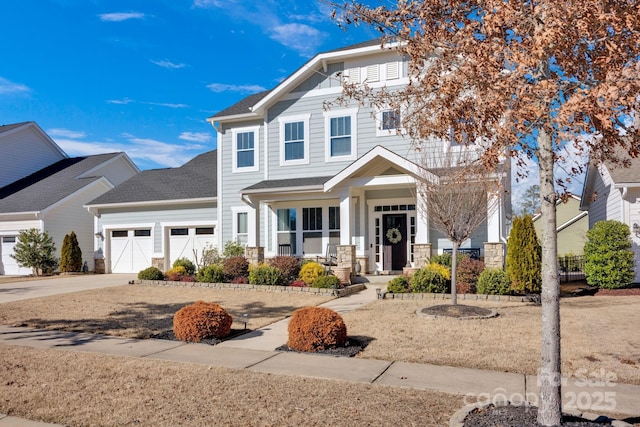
255	351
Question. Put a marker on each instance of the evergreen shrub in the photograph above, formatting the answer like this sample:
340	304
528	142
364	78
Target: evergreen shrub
398	285
189	266
524	256
213	273
608	255
310	271
151	273
264	274
326	281
433	278
493	281
70	254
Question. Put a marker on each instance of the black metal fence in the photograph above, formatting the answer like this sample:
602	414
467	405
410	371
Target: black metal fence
571	268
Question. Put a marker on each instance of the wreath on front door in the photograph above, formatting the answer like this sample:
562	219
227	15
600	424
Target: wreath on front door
394	235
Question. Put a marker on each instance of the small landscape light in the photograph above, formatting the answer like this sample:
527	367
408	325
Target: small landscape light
245	319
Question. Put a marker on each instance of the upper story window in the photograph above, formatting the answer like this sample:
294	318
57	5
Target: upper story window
340	135
294	137
388	122
245	149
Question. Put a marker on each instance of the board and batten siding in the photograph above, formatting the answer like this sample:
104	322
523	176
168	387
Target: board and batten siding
24	152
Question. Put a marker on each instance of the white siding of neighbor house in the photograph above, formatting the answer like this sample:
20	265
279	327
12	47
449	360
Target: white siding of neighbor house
24	152
116	170
605	199
13	227
70	215
633	214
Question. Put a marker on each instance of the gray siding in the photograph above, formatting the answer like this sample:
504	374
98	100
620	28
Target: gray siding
322	79
606	203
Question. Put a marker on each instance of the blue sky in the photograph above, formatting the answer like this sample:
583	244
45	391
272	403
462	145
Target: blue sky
142	76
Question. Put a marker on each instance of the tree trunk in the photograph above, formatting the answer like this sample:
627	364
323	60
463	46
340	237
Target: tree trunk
549	376
454	265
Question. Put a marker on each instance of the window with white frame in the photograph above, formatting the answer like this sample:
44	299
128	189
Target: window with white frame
334	224
294	137
245	149
312	230
287	229
340	135
387	122
241	229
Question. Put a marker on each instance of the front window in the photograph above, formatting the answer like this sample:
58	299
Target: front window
287	228
242	227
334	225
245	150
388	122
294	134
340	134
312	230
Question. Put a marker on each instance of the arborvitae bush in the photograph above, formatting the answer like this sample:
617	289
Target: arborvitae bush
189	266
201	320
264	274
151	273
398	285
443	259
213	273
288	265
326	282
235	267
310	271
316	328
493	281
468	271
430	279
608	255
524	256
70	254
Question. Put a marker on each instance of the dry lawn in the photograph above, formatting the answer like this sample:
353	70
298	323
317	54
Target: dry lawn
80	389
597	333
139	311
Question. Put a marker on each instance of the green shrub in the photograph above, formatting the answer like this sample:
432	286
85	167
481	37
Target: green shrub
151	273
288	266
398	285
189	267
232	249
235	267
310	271
608	257
493	281
175	274
264	274
70	254
35	250
524	256
326	282
468	271
443	259
430	279
211	274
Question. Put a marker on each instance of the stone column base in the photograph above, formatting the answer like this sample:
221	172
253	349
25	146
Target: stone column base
99	265
255	255
421	254
158	263
494	254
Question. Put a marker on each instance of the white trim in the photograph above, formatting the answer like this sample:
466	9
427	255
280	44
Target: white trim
305	119
101	180
379	121
328	115
204	200
123	156
256	149
251	215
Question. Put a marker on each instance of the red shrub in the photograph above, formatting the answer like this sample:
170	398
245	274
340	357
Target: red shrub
316	328
201	320
298	284
288	266
234	267
468	271
241	280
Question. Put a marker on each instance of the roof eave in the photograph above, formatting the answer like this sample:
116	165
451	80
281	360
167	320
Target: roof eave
292	189
163	202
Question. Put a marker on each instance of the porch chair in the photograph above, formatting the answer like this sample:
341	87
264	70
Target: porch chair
284	250
330	258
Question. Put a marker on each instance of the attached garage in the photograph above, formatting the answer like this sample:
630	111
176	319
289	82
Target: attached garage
186	242
8	265
130	250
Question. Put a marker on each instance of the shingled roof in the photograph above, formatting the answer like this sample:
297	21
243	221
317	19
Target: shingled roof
625	175
47	186
195	179
287	184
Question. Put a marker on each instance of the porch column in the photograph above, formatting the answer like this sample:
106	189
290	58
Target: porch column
346	226
253	239
422	219
494	248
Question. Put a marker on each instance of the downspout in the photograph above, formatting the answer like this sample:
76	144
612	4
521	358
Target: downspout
623	194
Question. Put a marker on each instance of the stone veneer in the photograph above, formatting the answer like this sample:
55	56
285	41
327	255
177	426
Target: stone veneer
494	255
99	266
421	254
158	263
255	255
347	258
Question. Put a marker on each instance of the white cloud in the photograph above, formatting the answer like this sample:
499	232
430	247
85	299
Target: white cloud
208	3
120	16
8	87
66	133
124	101
166	104
168	64
202	137
221	87
299	37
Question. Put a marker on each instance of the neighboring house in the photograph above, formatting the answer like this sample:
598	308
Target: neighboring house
25	149
612	192
295	176
52	199
572	226
157	217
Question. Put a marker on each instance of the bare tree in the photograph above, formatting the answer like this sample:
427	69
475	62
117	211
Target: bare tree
460	200
532	76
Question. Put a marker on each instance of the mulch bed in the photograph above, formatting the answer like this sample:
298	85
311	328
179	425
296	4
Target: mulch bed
522	416
169	335
354	345
457	311
618	292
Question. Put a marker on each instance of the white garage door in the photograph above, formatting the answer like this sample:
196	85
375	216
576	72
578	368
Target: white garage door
8	265
131	250
183	241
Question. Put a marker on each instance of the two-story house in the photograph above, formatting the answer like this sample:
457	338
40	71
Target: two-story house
295	176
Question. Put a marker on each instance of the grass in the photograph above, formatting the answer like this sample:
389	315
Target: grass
88	389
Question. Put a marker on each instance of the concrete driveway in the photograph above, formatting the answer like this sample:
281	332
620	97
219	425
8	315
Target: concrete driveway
35	288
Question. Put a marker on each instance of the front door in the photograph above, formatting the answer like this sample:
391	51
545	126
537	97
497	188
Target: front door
394	238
